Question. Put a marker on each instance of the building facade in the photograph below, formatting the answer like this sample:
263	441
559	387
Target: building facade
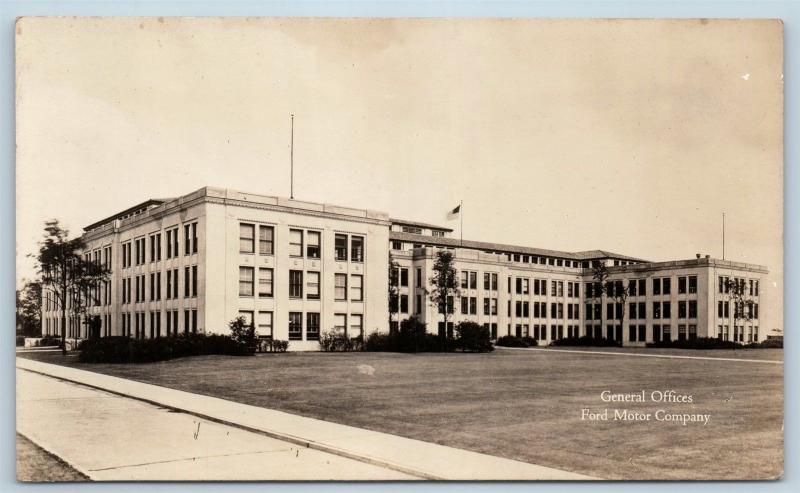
295	269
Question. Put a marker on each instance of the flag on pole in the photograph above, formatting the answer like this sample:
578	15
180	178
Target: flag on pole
454	213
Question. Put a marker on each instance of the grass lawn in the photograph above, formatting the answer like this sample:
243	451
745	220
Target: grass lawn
524	405
37	465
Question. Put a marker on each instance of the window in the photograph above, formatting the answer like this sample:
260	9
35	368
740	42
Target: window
245	281
247	314
312	326
403	277
356	287
357	248
194	237
665	285
312	245
692	308
295	243
295	284
418	304
187	285
340	244
666	309
681	285
264	329
340	323
194	280
692	332
312	285
175	249
486	306
187	239
295	325
418	279
403	303
266	236
155	247
246	238
656	287
340	287
356	328
656	309
692	284
397	245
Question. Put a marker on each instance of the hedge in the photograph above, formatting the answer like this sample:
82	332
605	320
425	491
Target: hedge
586	341
121	349
513	341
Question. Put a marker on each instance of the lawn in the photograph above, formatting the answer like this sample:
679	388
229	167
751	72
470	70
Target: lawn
37	465
524	405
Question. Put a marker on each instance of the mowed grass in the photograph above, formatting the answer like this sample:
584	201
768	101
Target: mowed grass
37	465
523	405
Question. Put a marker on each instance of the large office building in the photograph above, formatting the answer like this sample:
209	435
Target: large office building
295	269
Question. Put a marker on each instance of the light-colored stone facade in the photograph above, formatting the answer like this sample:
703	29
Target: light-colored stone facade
296	269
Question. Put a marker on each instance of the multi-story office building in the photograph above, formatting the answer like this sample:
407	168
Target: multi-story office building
294	269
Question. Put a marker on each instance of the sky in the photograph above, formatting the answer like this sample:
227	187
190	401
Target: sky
626	135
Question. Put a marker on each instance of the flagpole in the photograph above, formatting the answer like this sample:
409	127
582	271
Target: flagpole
461	216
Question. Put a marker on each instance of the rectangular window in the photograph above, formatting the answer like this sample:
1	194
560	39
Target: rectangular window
692	284
418	304
194	280
295	326
295	243
665	285
681	285
340	323
169	285
357	248
246	238
194	237
312	244
656	309
418	279
264	329
186	282
340	244
403	303
403	277
681	309
187	239
473	280
265	282
175	249
692	308
356	287
266	240
312	326
340	287
312	285
666	309
295	284
656	287
356	328
245	281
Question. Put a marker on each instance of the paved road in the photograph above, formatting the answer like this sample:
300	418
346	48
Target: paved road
109	437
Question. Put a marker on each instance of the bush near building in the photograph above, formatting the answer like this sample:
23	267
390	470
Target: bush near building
513	341
473	337
715	343
122	349
50	340
337	341
586	341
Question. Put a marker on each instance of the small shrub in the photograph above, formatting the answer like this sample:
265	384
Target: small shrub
243	334
586	341
471	336
698	343
512	341
530	341
336	341
272	346
50	340
773	342
20	341
379	341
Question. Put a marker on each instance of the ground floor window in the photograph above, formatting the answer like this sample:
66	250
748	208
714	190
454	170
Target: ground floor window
265	325
295	326
312	326
356	325
340	323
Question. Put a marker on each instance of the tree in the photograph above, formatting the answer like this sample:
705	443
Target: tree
243	334
63	271
617	291
737	296
29	309
600	276
394	297
445	286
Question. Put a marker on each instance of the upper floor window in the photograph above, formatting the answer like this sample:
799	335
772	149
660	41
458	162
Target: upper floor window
397	245
295	284
312	285
266	236
313	244
437	233
357	248
245	281
246	238
692	284
340	244
295	243
412	229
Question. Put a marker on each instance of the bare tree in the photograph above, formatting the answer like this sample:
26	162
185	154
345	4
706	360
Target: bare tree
742	305
394	296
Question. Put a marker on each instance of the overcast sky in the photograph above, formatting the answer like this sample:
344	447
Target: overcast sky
630	136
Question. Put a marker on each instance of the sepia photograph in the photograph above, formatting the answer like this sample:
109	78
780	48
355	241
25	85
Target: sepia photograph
391	249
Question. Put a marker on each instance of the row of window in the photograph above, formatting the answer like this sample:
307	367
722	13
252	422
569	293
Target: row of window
135	252
739	332
301	284
727	285
137	292
300	331
134	324
302	243
741	310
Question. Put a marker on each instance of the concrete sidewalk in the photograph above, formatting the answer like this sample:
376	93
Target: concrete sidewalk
409	457
112	438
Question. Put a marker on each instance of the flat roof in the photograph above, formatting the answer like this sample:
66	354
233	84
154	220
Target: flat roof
514	249
143	205
403	222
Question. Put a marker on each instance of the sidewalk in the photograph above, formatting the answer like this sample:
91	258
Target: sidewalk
112	438
388	452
